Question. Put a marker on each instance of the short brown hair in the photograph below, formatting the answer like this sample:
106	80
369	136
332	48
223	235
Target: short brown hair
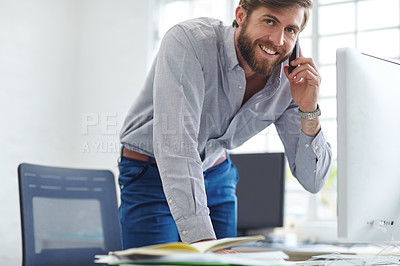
251	5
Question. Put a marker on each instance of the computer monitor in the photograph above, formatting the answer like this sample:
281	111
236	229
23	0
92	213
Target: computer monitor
368	126
260	190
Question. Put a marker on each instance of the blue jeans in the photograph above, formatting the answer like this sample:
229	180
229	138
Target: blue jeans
144	213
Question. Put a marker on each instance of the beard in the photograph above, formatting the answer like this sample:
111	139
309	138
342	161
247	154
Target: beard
247	48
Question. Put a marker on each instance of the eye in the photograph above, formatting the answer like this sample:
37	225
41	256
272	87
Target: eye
291	30
269	22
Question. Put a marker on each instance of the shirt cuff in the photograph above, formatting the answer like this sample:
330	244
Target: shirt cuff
313	161
314	144
195	229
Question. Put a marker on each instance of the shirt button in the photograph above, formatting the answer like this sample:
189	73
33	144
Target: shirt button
184	232
315	171
316	147
170	201
307	145
240	87
229	69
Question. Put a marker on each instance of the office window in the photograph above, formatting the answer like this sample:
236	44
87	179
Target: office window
373	26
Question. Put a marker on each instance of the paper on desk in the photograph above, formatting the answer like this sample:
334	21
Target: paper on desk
250	258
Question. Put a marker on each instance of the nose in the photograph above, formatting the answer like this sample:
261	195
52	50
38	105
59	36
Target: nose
277	37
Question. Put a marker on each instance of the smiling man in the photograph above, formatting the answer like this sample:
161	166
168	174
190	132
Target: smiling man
211	88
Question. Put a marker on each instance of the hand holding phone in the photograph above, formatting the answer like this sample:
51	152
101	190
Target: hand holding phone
293	56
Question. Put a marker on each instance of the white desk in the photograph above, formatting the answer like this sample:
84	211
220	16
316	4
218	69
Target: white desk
306	251
302	255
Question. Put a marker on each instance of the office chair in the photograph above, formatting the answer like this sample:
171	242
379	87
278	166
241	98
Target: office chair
67	215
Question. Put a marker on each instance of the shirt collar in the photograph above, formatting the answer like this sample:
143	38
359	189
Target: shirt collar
277	74
229	44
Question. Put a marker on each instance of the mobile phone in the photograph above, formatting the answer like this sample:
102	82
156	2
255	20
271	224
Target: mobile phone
294	55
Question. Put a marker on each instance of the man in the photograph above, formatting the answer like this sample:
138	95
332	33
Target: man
211	88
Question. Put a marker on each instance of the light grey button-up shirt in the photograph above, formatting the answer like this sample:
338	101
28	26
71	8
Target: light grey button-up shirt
190	111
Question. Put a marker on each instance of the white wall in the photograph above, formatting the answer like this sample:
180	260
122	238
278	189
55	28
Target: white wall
64	63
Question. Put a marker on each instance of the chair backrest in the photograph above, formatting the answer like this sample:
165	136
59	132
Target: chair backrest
67	215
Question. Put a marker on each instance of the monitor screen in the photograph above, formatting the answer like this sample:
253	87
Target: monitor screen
260	190
368	93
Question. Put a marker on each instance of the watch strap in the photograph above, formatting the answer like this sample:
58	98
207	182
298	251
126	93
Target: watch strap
311	115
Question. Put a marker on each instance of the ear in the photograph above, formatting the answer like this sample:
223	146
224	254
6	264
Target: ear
240	15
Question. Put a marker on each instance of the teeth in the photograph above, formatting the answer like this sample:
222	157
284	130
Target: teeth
267	50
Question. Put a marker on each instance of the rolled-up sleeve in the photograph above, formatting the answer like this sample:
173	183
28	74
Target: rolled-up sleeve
310	158
178	99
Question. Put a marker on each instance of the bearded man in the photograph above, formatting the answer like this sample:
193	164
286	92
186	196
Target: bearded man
210	89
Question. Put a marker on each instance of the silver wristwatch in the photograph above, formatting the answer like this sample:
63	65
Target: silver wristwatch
310	115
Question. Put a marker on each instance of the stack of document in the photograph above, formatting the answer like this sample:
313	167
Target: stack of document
201	253
209	258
